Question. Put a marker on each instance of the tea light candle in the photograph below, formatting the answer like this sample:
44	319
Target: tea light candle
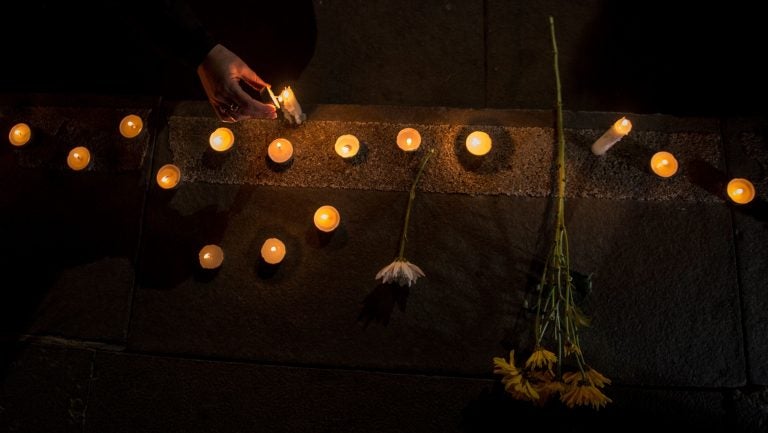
347	146
168	176
478	143
131	126
222	139
79	158
290	107
741	191
408	139
280	150
612	136
273	251
211	256
664	164
327	218
20	134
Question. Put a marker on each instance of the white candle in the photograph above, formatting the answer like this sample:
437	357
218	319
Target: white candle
222	139
612	136
280	150
79	158
290	106
347	146
20	134
131	126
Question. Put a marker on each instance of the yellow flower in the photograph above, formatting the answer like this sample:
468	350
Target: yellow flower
549	389
501	366
523	389
541	358
583	394
591	376
571	349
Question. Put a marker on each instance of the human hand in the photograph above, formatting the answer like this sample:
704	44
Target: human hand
220	74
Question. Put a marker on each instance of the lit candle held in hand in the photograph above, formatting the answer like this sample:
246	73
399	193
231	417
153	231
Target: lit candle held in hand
478	143
290	107
273	251
131	126
222	139
168	177
327	218
664	164
211	256
280	150
20	134
741	191
408	139
79	158
347	146
612	136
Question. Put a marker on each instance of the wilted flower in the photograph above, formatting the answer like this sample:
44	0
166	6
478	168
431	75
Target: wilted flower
541	358
584	394
401	271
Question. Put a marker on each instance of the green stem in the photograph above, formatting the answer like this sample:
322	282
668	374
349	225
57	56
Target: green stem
400	254
560	134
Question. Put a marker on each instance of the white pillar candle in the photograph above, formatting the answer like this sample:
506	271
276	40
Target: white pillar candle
290	106
612	136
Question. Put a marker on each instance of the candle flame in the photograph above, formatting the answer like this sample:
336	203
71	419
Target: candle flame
475	141
408	141
207	256
131	124
739	191
165	179
624	122
217	140
18	132
664	162
279	145
273	248
346	148
76	155
324	216
285	94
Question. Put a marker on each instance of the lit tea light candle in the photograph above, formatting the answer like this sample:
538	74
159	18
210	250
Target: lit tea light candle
741	191
290	107
168	176
20	134
131	126
664	164
478	143
280	150
273	251
619	129
79	158
211	256
222	139
327	218
347	146
408	139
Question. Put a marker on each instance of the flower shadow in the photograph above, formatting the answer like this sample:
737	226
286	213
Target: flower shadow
378	305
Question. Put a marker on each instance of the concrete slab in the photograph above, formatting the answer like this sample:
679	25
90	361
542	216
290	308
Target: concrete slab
75	234
43	388
428	53
748	158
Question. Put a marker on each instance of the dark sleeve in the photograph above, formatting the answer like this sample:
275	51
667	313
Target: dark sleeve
173	26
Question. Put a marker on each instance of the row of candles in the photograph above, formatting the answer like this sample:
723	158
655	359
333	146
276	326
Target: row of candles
280	151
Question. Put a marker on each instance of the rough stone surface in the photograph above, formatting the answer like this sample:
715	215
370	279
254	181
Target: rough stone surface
43	389
56	130
519	164
429	53
149	394
74	234
748	158
749	409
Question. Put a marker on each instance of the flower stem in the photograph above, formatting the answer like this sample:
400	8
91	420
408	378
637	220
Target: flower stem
560	135
401	253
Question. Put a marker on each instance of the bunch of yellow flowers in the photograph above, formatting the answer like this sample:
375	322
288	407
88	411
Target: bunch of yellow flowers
557	315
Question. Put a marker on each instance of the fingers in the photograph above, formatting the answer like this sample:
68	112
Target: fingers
252	78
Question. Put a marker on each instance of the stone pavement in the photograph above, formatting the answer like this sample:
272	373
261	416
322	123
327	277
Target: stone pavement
110	325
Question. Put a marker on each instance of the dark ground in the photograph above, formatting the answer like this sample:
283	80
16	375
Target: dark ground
108	325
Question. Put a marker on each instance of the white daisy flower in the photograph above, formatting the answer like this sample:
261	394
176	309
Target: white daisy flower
401	271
